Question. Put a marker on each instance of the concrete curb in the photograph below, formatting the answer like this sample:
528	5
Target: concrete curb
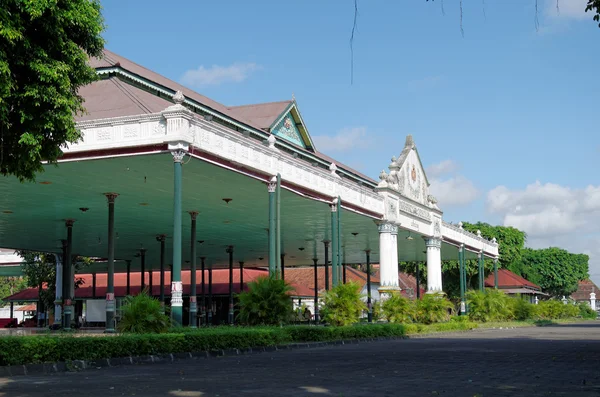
81	365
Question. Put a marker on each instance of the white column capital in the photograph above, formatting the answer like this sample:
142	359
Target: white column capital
433	242
386	227
272	184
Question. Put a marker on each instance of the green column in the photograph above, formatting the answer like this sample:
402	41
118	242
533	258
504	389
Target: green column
193	294
481	278
230	312
278	224
369	305
176	285
340	252
68	268
496	273
272	230
161	239
462	270
110	289
334	244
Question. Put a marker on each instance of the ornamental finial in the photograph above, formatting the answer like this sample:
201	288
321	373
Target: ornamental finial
478	233
178	98
460	225
409	141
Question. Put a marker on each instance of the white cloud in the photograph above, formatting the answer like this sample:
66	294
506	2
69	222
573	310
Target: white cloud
553	215
346	139
216	74
449	187
444	168
567	9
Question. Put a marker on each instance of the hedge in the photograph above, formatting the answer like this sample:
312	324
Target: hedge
16	350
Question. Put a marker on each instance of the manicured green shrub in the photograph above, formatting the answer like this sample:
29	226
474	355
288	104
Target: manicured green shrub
342	304
550	310
585	311
489	305
522	310
38	349
398	309
433	308
143	314
266	302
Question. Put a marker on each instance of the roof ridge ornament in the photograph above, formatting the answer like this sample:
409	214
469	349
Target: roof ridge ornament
333	168
409	141
178	98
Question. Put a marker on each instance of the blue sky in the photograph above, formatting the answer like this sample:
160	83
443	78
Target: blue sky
504	117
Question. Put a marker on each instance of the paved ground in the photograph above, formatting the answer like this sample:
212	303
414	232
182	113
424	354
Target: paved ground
549	361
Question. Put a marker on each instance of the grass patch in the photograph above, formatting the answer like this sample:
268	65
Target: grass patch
527	323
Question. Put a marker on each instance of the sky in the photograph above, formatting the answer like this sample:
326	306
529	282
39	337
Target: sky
503	114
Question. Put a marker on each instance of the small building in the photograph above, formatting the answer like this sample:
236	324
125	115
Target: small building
584	291
305	276
513	284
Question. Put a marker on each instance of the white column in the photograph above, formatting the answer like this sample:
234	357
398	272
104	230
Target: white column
593	300
434	265
388	258
58	295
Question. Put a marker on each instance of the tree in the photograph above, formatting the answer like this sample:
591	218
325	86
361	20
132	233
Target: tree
594	6
510	243
555	270
39	269
11	285
44	50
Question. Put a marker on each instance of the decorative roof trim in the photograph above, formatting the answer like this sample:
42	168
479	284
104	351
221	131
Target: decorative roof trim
256	131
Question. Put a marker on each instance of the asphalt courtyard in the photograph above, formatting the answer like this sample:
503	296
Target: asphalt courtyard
539	361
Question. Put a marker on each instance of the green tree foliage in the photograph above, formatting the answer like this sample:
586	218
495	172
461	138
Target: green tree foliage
585	311
44	49
11	285
343	305
433	308
594	6
398	309
557	271
142	314
267	302
39	269
510	242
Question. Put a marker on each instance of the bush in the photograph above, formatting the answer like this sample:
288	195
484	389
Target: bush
433	308
550	310
489	305
398	309
39	349
585	311
142	314
522	310
343	305
266	302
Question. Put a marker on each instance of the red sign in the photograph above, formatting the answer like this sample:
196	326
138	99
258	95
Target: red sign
192	299
110	297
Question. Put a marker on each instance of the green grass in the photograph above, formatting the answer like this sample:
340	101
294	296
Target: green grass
526	323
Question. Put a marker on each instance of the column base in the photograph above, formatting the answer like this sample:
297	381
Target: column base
386	292
436	292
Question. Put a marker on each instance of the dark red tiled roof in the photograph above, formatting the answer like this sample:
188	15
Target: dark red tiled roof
585	288
220	284
305	276
508	279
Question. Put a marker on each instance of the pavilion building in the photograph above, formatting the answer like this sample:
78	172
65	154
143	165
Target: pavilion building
165	178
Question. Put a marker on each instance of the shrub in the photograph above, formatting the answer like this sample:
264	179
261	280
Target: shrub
343	305
585	311
550	310
39	349
266	302
398	309
522	310
433	308
489	305
142	314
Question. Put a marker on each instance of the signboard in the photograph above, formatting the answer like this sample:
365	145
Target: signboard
95	310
